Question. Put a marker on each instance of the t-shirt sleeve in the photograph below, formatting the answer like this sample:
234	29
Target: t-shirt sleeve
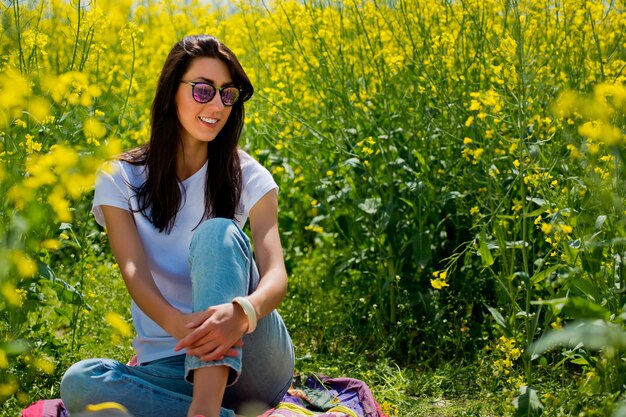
112	189
256	182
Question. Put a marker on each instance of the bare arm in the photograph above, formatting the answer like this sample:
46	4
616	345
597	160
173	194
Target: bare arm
131	258
269	256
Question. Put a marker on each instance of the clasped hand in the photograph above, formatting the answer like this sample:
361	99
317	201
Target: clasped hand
211	334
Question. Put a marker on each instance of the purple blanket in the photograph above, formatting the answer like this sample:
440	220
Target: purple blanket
321	395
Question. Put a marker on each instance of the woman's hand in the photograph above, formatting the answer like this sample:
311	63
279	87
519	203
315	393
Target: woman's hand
213	333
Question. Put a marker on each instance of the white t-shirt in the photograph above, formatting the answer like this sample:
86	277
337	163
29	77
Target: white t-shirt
167	252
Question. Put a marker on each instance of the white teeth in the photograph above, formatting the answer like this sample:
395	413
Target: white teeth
208	119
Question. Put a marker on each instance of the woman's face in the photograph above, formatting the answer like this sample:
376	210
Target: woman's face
202	121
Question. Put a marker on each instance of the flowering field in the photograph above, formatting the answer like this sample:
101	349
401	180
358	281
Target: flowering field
452	179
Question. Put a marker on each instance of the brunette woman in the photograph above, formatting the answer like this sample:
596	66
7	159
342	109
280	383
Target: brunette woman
209	338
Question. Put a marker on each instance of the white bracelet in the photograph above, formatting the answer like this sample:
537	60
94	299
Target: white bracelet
248	310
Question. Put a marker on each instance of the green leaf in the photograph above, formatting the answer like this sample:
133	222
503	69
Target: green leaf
422	252
483	250
500	321
65	291
580	361
591	260
620	411
540	276
527	404
370	205
592	334
45	271
584	308
556	304
586	287
15	347
599	222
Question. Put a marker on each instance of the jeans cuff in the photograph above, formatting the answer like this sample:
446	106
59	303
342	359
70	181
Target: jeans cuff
234	363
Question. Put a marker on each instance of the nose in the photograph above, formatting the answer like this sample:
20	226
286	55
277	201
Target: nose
216	101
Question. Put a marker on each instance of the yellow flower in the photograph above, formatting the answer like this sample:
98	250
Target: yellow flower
546	228
439	280
601	131
118	323
20	196
60	205
316	229
92	128
31	145
573	151
477	154
556	325
467	141
12	295
438	283
25	266
50	244
4	361
44	365
8	388
39	108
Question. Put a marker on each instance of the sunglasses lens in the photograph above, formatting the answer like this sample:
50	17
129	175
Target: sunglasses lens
230	95
203	93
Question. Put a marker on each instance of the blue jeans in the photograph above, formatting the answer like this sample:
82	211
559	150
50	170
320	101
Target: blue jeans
222	267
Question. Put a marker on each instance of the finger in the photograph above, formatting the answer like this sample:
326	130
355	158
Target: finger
191	340
232	352
207	353
199	319
204	345
212	357
213	351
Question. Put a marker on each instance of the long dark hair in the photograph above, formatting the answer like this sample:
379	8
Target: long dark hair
159	196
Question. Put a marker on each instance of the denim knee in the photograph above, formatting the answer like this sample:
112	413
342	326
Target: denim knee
220	260
78	383
219	233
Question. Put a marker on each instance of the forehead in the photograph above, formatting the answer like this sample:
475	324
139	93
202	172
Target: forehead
211	69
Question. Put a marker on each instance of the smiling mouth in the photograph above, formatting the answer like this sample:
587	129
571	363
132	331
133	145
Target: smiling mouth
207	119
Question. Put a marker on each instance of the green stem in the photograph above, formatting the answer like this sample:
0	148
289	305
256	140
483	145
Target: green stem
18	30
522	127
130	83
77	37
597	42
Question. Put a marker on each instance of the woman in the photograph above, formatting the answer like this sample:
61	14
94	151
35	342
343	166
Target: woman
209	339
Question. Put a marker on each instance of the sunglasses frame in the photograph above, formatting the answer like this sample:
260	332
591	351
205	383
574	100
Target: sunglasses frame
217	90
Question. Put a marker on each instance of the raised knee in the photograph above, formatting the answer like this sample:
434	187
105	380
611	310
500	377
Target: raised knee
219	232
217	226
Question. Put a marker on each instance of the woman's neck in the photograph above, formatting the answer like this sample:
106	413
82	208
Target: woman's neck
189	161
